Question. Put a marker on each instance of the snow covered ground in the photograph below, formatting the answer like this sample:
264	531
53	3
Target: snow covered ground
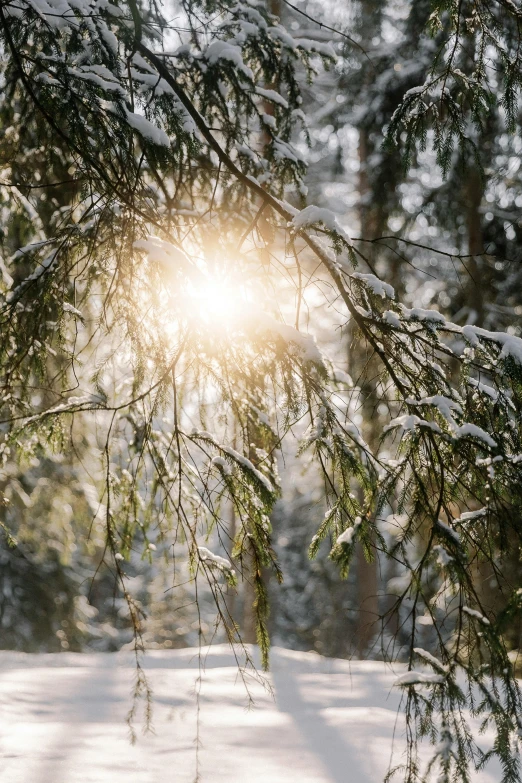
62	720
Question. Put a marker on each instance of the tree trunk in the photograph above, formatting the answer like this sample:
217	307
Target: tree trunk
473	193
368	602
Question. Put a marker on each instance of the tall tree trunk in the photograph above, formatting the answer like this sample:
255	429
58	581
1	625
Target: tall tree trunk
367	606
248	629
473	193
368	602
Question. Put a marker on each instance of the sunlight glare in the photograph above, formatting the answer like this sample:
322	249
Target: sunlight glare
218	303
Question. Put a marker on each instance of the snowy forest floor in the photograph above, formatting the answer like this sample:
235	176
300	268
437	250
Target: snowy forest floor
62	720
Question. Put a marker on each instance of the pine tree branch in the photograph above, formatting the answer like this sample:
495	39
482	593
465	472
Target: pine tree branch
256	188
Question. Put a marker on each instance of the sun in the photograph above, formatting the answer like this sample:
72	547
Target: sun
219	303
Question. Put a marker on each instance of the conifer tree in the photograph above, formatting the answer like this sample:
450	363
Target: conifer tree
185	241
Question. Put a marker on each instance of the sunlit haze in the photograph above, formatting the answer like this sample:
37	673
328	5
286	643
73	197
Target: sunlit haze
218	302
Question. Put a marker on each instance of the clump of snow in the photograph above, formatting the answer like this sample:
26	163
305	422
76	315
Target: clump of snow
339	376
162	252
469	516
311	215
511	345
378	287
221	562
272	95
206	435
140	61
139	123
246	463
305	343
427	656
100	76
449	531
347	535
68	308
247	152
283	150
222	464
240	459
280	34
473	431
445	405
261	415
252	14
391	318
427	316
414	91
418	678
484	388
398	585
409	421
443	556
22	251
269	120
476	615
147	129
396	523
310	45
224	50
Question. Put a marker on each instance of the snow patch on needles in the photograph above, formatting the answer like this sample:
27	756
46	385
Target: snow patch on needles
347	536
409	421
311	215
147	129
223	50
339	376
484	388
429	658
207	556
309	45
511	345
238	458
305	343
273	96
162	252
139	123
445	407
100	76
476	615
392	319
283	150
449	531
245	462
222	464
418	678
473	431
69	308
426	316
378	287
469	516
